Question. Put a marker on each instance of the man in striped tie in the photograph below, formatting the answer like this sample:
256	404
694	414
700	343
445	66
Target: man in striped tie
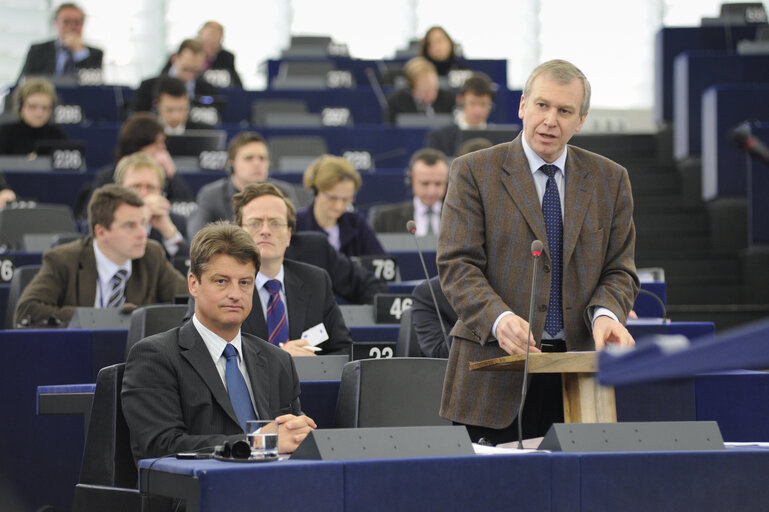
114	266
195	386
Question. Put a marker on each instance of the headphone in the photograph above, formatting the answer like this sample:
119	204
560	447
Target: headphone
235	450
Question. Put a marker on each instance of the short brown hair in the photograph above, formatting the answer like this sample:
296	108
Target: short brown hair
107	199
429	156
563	72
67	5
135	161
222	238
424	43
139	130
192	45
32	86
254	190
327	170
242	139
478	84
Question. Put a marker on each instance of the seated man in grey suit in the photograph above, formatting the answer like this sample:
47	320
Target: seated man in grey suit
114	266
249	158
293	296
195	386
67	53
428	176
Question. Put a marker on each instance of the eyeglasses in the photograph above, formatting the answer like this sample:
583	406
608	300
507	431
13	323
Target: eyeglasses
334	199
258	224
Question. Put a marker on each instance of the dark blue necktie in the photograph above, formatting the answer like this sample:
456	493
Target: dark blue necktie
69	63
551	210
236	387
277	324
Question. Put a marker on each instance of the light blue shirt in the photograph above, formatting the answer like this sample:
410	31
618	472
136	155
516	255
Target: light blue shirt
105	271
264	295
61	56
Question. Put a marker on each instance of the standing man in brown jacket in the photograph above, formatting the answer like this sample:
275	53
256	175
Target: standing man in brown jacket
499	200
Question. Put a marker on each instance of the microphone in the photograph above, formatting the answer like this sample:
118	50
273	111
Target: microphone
411	227
376	87
536	252
742	138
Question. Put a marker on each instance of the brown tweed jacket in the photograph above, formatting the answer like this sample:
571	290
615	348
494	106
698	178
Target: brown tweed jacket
490	217
67	280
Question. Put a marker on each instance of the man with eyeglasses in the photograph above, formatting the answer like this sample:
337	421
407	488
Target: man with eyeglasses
67	53
293	296
142	174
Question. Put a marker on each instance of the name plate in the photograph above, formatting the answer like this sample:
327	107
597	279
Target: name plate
335	116
212	160
218	77
384	267
389	307
204	114
66	159
7	268
68	114
362	160
373	350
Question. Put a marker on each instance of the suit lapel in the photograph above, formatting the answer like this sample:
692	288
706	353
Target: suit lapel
296	302
259	376
86	275
194	350
517	180
579	183
255	322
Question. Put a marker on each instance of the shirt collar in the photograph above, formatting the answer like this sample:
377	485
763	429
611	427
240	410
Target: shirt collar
261	279
535	161
105	267
215	343
420	209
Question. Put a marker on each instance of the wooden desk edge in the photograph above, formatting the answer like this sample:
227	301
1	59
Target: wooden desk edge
542	362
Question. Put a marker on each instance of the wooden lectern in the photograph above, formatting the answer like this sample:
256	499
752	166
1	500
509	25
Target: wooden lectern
584	400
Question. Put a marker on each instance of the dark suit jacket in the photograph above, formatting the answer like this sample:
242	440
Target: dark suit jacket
144	95
175	401
67	280
444	139
402	102
349	279
392	218
309	302
41	59
215	202
426	322
355	235
224	60
490	217
180	221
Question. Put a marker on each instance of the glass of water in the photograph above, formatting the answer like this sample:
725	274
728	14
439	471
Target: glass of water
262	436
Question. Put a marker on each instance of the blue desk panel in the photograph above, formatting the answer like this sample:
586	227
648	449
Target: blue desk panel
724	165
693	73
671	41
732	479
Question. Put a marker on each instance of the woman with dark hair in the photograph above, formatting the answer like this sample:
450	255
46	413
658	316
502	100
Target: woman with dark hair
33	102
438	47
141	132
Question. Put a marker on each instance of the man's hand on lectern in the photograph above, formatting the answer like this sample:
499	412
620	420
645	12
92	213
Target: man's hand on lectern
607	330
511	335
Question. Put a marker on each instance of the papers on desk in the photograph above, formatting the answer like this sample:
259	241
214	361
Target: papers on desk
761	444
529	446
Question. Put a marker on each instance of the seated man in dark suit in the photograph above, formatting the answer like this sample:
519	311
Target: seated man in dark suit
249	160
219	68
173	107
114	266
428	176
476	98
195	386
290	297
142	174
423	95
186	65
67	53
427	323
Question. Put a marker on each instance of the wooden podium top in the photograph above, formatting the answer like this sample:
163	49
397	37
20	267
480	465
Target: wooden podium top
542	362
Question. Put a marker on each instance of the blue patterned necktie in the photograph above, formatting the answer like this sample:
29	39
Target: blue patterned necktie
551	210
236	387
429	216
117	289
277	324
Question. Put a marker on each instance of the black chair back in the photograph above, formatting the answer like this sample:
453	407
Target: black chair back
21	278
153	319
108	476
397	392
407	344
